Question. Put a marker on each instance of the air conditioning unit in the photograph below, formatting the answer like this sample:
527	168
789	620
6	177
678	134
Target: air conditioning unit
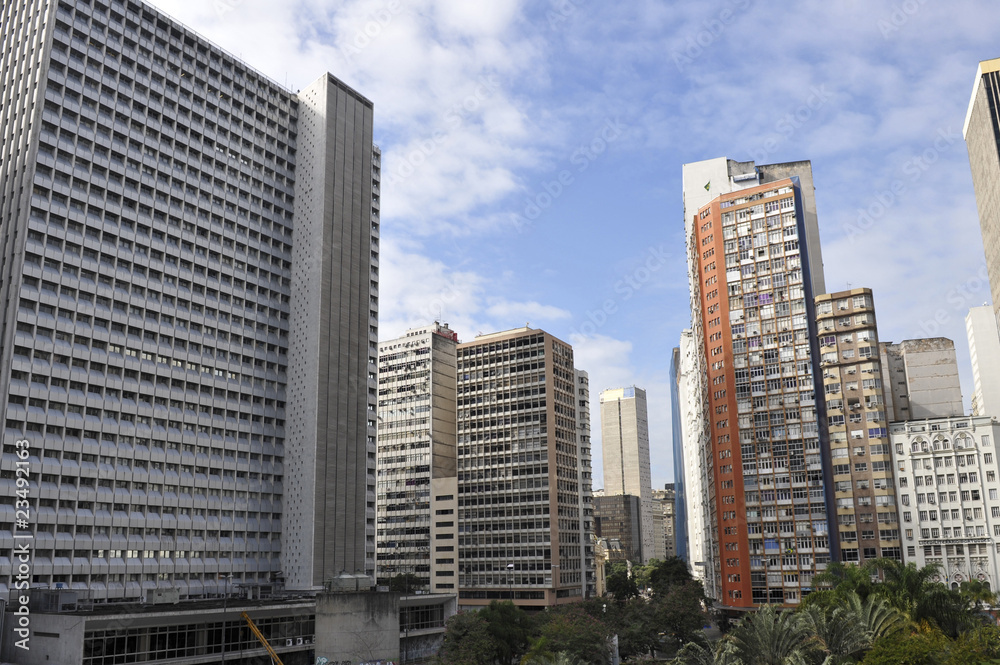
299	642
288	643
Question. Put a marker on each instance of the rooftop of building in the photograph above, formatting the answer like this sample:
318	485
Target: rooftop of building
985	67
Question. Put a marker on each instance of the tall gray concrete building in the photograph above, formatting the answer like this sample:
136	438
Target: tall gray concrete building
982	137
625	448
188	310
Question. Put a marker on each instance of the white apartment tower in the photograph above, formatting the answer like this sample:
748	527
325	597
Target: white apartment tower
188	310
692	456
417	482
984	351
625	447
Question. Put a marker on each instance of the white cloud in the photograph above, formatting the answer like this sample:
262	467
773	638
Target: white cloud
609	363
526	311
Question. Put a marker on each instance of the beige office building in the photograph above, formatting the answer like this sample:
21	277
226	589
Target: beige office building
519	471
860	458
625	446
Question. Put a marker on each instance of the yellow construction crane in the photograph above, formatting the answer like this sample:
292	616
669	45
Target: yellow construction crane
260	636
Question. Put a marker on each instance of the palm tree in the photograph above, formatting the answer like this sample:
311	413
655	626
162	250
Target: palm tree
704	653
848	630
845	578
905	587
771	637
977	594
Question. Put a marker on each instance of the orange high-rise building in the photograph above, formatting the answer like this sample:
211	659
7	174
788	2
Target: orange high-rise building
753	290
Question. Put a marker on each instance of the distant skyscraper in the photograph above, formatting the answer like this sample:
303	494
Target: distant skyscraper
754	267
865	496
616	520
417	464
664	505
921	379
586	479
982	137
625	447
188	309
519	476
984	351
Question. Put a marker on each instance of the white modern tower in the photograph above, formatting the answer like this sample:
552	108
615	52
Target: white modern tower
984	351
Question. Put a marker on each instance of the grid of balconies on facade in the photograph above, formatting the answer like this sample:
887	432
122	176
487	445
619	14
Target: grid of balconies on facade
518	469
148	360
147	340
856	421
756	302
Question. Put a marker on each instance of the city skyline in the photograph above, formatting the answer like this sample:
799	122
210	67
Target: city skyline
480	110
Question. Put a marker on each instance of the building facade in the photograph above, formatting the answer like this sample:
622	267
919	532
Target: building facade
582	382
982	137
946	470
625	448
618	521
755	252
921	379
519	461
417	463
665	505
190	364
984	351
693	464
865	496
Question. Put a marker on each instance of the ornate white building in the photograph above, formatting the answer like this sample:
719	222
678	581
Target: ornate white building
946	475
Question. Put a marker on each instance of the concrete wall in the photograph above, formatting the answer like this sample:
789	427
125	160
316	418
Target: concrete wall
55	638
923	376
357	627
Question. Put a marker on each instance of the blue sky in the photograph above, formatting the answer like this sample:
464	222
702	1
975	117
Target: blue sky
532	154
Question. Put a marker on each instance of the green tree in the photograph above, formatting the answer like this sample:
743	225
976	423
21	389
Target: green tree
981	645
621	586
771	637
702	652
405	583
467	641
925	646
977	594
679	611
841	579
667	574
846	631
573	631
904	585
510	627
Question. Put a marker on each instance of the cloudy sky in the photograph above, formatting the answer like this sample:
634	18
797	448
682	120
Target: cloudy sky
532	153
